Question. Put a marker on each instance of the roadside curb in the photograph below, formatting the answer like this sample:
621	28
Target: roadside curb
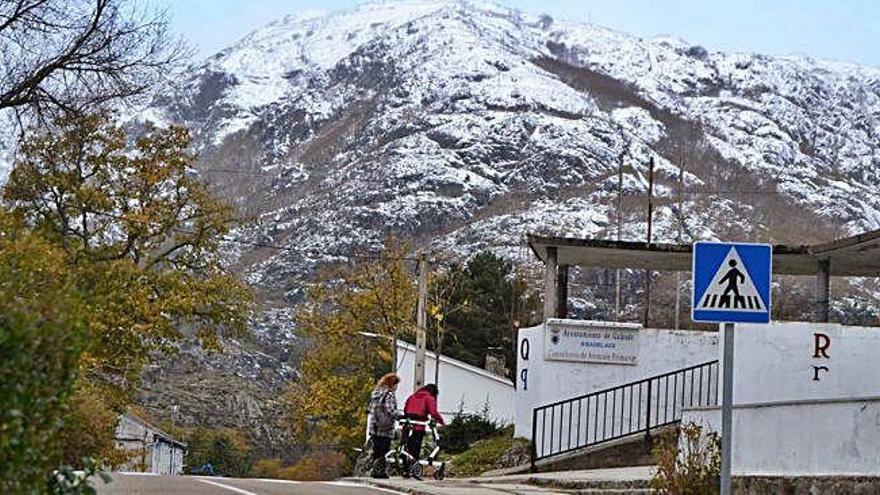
589	484
389	485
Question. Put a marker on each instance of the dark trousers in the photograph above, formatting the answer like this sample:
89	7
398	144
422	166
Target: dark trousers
414	443
381	446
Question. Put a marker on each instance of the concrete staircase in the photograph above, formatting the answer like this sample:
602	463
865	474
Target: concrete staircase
632	450
629	480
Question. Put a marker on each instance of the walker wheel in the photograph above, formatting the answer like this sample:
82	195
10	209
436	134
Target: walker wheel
415	470
440	473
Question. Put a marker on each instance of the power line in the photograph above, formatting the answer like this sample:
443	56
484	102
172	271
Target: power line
227	238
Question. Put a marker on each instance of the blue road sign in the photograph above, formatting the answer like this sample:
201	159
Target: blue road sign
731	282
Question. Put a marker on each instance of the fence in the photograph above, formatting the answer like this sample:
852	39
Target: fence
621	411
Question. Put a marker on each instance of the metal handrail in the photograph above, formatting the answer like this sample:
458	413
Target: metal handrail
649	402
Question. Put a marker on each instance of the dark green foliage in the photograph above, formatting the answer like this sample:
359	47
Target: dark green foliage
225	449
465	429
484	304
41	340
66	481
498	451
39	366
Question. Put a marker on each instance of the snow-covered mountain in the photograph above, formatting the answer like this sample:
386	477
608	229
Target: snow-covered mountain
462	125
465	124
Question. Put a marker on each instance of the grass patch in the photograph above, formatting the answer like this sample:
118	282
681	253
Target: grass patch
498	451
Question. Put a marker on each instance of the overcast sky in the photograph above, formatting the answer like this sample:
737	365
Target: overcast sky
847	30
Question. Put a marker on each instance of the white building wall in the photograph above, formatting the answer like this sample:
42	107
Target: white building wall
797	411
151	448
802	438
777	362
462	386
541	382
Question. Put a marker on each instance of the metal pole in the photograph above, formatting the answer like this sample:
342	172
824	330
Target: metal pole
394	353
678	239
823	294
650	217
534	451
677	299
727	411
421	325
619	221
550	295
562	291
648	411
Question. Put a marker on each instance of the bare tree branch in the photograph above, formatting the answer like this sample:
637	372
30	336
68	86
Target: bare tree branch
61	56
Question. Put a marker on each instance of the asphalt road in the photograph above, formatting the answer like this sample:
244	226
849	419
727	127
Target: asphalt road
137	484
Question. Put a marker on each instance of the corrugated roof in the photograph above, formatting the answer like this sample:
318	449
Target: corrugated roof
856	256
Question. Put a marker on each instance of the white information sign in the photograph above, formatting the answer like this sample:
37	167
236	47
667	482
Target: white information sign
591	342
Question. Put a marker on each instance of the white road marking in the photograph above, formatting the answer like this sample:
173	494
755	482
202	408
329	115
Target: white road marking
230	488
271	480
362	485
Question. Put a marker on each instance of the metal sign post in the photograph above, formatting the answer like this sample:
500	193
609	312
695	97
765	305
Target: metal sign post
727	410
731	283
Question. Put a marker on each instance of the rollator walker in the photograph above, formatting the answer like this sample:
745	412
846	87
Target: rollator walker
398	459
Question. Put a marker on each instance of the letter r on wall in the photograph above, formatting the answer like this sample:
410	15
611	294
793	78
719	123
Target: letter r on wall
821	344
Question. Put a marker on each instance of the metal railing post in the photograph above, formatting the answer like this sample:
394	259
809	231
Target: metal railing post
534	454
648	412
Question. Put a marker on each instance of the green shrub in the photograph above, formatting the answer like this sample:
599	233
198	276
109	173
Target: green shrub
689	463
41	341
322	465
66	481
465	429
499	451
267	468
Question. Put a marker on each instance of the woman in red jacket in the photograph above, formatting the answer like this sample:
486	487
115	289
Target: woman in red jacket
420	406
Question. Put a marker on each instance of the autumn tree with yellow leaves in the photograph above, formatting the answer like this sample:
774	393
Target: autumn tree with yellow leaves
351	315
42	333
139	234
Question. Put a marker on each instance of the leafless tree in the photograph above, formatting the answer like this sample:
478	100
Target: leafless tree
73	55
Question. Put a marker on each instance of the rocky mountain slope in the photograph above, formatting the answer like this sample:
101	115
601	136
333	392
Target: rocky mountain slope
463	125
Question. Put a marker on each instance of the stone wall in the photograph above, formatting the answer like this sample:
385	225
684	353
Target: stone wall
826	485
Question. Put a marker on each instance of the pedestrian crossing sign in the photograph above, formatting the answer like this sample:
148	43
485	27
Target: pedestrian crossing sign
731	282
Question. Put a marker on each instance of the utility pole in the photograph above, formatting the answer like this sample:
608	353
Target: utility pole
394	352
650	216
678	240
421	324
619	219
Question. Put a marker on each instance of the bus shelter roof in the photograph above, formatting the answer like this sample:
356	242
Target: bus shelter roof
856	256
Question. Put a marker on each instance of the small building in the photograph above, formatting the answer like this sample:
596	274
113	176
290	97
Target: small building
463	387
153	450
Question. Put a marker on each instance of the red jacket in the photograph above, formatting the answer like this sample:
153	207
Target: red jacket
420	406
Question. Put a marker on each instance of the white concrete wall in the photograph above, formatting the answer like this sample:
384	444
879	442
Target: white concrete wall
777	362
541	382
462	386
815	438
791	418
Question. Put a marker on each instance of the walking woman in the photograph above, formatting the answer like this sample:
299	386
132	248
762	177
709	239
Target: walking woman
421	406
383	413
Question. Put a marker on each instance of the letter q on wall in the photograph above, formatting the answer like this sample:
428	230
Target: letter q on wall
524	349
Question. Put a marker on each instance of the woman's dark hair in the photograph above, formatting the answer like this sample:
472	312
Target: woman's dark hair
431	389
